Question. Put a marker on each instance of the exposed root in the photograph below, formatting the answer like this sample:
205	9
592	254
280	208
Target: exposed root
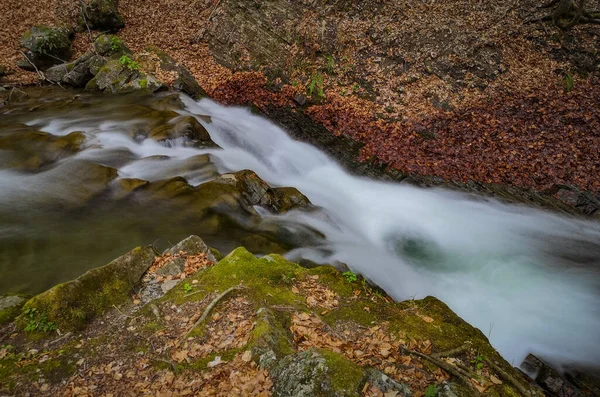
566	14
522	389
212	305
451	352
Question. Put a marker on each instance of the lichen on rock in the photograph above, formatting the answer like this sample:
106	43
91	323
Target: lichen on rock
101	15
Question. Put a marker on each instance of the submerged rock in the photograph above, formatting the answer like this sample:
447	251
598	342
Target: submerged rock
45	46
73	304
184	127
101	15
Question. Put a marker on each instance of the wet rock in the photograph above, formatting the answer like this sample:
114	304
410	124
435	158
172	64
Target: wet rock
288	198
184	127
101	15
45	46
10	307
387	384
550	380
29	149
73	304
125	186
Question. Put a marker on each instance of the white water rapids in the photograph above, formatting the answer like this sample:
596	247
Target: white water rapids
530	280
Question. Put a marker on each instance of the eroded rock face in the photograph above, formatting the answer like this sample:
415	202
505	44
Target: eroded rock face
184	127
102	15
74	303
45	46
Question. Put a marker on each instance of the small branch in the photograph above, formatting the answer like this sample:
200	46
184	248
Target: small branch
123	314
66	335
40	74
508	377
451	352
459	373
82	5
548	5
212	305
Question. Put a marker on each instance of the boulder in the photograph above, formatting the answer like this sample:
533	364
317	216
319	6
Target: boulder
77	73
101	15
2	70
316	373
184	127
176	76
73	304
192	245
110	45
387	384
122	75
45	46
10	307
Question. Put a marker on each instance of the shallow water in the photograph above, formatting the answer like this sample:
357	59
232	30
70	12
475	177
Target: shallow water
530	280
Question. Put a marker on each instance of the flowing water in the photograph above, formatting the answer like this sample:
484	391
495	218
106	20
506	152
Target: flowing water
528	279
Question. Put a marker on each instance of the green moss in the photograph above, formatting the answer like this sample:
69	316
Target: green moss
346	376
72	304
57	369
218	255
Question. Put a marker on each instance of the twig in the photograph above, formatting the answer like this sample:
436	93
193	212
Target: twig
66	335
459	373
194	293
40	74
82	5
451	352
123	314
212	305
508	377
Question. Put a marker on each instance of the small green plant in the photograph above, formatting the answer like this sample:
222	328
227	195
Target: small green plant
37	322
187	288
315	85
431	391
115	43
144	83
478	362
129	63
568	82
350	276
330	64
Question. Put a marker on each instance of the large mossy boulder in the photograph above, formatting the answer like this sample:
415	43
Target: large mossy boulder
45	46
77	73
73	304
101	15
123	75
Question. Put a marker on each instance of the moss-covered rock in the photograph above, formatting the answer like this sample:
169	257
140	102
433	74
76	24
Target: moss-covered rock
118	76
45	46
110	45
316	373
101	15
77	73
10	307
73	304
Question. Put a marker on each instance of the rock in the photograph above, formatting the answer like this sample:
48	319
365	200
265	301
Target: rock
110	45
77	73
45	46
288	198
168	285
300	99
316	373
184	127
173	268
192	245
73	304
102	15
548	379
2	70
121	76
156	61
387	384
10	307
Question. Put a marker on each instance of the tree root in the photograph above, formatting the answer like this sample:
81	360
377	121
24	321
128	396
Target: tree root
522	389
451	352
451	369
212	305
566	14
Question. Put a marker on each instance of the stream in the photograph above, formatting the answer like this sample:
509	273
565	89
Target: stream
529	279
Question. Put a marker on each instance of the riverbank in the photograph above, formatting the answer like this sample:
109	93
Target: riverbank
240	326
417	99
